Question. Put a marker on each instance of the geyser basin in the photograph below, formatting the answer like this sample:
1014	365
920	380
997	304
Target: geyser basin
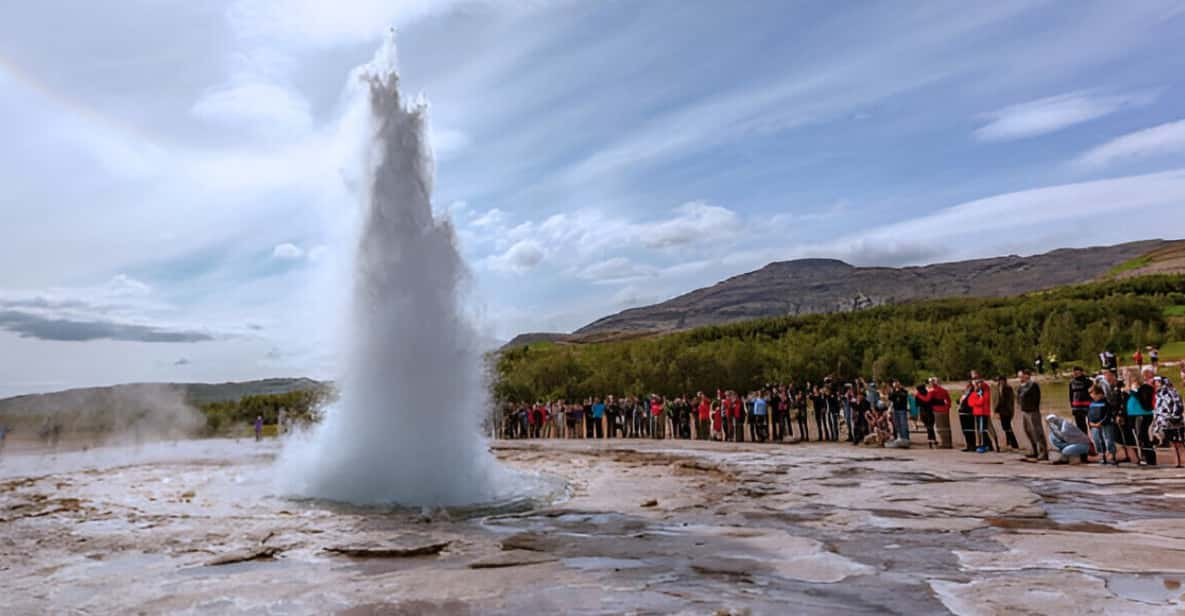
406	430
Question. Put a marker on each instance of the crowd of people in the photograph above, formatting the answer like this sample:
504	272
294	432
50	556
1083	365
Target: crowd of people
1113	416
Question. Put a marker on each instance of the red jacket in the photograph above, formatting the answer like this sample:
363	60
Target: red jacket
705	409
981	403
938	398
734	408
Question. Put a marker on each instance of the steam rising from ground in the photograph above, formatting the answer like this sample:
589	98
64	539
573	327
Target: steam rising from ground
99	416
406	429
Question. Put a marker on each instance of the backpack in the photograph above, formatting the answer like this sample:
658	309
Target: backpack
1169	408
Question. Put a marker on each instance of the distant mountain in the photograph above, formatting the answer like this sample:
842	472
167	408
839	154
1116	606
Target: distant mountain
101	404
807	286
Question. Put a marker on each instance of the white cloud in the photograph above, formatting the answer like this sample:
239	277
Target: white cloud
328	24
447	142
317	253
1166	139
694	222
1054	113
287	252
492	218
264	109
632	296
523	256
1039	219
616	269
122	285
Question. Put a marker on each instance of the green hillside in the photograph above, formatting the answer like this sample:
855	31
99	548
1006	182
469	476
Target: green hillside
945	337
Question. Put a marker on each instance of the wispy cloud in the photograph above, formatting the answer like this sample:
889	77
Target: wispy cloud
522	256
1054	113
30	325
1163	140
287	252
266	109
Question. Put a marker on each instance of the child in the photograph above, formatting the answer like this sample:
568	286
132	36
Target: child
878	424
1101	419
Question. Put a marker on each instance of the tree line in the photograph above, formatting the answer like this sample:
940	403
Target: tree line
910	341
302	406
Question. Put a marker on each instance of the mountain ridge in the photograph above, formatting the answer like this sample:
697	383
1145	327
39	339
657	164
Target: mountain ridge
825	285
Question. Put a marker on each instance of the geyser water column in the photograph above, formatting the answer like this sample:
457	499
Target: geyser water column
407	427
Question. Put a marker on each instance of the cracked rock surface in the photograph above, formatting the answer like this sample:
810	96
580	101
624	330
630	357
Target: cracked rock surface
646	527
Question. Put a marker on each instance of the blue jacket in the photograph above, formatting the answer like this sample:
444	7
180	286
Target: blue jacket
1100	413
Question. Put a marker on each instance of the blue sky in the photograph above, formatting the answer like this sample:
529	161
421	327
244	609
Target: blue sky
177	174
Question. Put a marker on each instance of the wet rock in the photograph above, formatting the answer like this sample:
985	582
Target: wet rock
1041	593
394	549
243	556
530	542
514	558
1058	549
736	567
647	504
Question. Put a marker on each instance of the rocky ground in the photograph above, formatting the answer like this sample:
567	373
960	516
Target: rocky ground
644	527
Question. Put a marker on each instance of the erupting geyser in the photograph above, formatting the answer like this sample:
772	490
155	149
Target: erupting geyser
407	428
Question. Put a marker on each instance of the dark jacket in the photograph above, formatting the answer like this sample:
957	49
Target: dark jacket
1006	402
1080	392
1030	397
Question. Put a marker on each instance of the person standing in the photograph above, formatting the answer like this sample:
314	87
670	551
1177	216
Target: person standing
833	410
782	422
1053	364
559	418
1039	364
576	421
820	404
598	419
980	401
1141	403
718	418
1006	409
1138	358
926	412
760	417
1101	419
1170	417
940	403
703	416
657	421
860	410
1154	358
642	412
1079	389
736	416
899	402
967	418
258	428
800	414
1029	394
871	393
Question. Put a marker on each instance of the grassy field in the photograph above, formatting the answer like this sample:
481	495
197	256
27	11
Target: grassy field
1127	266
1173	351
